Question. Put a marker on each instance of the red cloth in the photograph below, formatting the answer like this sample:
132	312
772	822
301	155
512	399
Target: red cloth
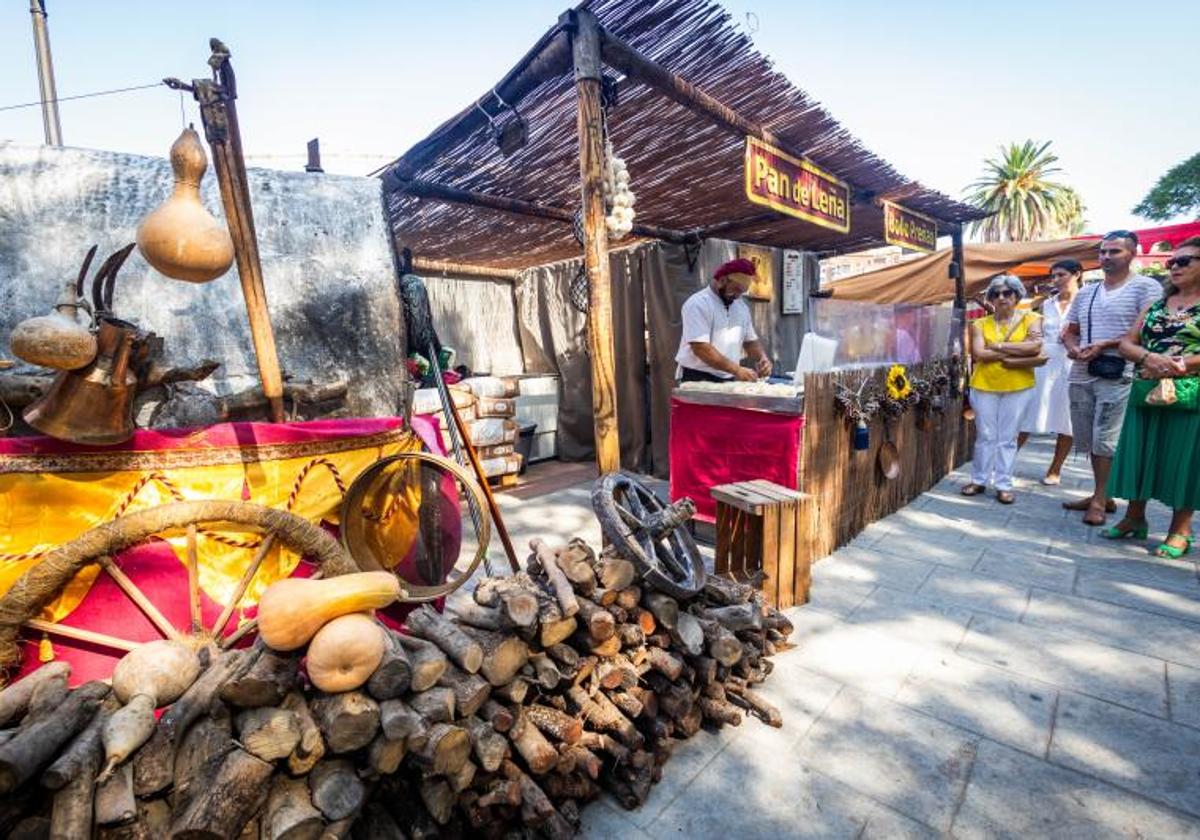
155	568
713	445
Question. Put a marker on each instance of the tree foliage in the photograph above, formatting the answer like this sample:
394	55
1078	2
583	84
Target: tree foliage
1177	193
1025	204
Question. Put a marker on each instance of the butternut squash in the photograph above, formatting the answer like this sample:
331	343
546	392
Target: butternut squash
291	611
345	652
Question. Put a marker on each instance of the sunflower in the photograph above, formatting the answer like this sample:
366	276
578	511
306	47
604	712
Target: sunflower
898	386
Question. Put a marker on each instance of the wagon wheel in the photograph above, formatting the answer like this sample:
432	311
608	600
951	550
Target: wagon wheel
649	534
42	583
360	518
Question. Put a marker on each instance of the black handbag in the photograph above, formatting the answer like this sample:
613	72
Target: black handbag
1102	367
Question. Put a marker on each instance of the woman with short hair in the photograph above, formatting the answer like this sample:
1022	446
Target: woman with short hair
1049	409
1158	456
1002	345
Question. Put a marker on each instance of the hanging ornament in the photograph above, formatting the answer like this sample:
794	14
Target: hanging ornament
618	197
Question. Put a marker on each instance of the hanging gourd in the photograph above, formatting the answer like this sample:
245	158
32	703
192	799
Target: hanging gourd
59	340
180	238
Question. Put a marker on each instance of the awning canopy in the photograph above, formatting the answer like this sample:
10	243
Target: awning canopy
927	280
686	169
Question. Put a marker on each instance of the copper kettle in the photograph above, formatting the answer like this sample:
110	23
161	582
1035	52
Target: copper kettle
94	405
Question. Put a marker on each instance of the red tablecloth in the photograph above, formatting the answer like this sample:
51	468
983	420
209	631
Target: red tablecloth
713	445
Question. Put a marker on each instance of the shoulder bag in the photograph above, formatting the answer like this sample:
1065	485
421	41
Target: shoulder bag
1102	367
1022	362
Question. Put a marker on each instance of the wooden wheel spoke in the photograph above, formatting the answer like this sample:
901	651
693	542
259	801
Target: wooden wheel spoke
135	594
81	635
243	584
193	572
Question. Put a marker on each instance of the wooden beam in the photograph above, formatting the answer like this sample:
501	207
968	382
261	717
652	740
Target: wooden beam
586	56
519	207
462	270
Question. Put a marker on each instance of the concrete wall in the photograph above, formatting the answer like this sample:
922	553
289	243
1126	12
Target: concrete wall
326	264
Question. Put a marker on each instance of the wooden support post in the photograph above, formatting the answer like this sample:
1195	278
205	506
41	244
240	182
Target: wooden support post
585	44
958	271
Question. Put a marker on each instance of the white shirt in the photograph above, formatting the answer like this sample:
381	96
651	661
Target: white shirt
727	328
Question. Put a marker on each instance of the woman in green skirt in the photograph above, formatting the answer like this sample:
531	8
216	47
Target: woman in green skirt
1158	456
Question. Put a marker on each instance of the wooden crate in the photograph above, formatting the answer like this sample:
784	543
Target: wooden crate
765	528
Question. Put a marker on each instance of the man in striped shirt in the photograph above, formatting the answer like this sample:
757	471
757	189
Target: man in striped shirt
1099	317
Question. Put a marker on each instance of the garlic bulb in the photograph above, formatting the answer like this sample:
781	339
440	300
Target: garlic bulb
618	198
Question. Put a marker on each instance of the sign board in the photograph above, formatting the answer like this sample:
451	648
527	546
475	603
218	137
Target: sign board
795	187
763	287
908	229
793	283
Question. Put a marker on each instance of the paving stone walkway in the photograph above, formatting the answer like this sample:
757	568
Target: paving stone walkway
964	669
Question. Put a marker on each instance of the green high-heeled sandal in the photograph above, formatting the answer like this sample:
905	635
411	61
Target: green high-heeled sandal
1171	552
1139	531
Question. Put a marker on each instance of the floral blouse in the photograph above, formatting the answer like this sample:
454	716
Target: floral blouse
1169	332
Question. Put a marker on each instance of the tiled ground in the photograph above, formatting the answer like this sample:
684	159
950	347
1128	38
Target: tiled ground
964	669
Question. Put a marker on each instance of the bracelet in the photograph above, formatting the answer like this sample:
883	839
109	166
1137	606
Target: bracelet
1145	355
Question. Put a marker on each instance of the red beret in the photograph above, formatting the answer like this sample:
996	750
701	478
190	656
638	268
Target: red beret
735	267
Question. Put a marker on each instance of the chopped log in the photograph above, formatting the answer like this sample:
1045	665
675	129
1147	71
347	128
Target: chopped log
79	754
755	703
26	753
609	647
435	705
290	814
576	561
497	715
462	780
664	608
401	722
664	640
705	668
645	620
427	660
539	754
736	617
311	747
587	666
604	597
536	808
114	800
564	655
666	663
602	714
426	623
616	672
393	677
629	597
726	592
197	700
605	743
269	732
348	720
514	692
573	785
674	699
719	712
631	636
598	621
586	761
615	573
780	623
515	596
376	823
335	789
548	673
445	750
556	630
563	591
721	644
556	724
503	655
489	746
47	696
439	799
267	682
690	722
566	761
14	700
204	744
153	764
629	705
501	792
385	754
647	698
469	613
470	690
619	614
71	814
714	691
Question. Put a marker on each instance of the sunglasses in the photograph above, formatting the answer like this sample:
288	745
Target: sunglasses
1181	262
1002	293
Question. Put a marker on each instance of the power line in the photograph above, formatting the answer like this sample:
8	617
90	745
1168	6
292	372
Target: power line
41	102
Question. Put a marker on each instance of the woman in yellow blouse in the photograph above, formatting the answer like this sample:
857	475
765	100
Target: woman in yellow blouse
1000	388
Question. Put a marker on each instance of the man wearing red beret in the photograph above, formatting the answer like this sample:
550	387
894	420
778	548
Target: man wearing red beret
717	331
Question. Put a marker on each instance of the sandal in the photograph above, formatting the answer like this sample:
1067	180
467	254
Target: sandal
1083	504
1171	552
1094	517
1127	529
1005	497
972	489
1052	480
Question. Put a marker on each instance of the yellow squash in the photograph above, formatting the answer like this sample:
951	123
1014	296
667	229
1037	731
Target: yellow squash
345	652
291	611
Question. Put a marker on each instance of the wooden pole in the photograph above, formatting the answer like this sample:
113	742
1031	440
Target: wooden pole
958	269
427	266
219	114
585	43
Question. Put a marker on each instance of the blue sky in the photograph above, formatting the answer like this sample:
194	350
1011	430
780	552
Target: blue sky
932	87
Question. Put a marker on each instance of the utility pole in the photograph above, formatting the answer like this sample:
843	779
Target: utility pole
45	65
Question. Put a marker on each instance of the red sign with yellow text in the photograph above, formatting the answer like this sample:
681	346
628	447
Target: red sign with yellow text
908	229
795	187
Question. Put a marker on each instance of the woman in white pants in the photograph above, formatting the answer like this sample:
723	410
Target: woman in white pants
1000	387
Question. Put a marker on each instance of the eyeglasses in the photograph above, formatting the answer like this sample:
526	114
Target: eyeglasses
1002	293
1061	275
1182	261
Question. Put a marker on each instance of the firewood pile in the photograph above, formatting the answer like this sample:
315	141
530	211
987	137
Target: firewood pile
500	717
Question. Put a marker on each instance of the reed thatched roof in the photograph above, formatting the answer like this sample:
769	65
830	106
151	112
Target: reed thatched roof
685	170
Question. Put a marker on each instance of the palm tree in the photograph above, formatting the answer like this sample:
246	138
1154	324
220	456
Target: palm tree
1025	204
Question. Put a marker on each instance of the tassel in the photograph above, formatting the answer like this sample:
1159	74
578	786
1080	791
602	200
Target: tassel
245	489
45	649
